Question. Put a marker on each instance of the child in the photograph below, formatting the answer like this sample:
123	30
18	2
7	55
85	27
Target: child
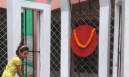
14	64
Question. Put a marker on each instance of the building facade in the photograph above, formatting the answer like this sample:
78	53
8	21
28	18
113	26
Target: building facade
109	17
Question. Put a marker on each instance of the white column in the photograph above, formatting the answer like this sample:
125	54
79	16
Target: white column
45	42
116	39
65	37
125	39
104	38
13	28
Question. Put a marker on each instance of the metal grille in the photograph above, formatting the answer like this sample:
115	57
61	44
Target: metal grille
3	40
22	39
31	60
55	44
85	13
88	66
111	36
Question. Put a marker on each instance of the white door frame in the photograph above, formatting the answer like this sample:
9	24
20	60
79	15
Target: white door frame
125	39
14	30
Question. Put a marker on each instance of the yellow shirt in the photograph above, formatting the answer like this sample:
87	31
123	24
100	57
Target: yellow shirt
11	69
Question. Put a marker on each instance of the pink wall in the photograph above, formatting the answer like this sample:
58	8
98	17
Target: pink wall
3	4
54	4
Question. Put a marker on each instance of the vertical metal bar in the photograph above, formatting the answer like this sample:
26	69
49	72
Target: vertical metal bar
80	24
90	25
90	11
39	24
71	49
118	62
26	40
79	66
120	40
80	8
25	26
33	38
119	47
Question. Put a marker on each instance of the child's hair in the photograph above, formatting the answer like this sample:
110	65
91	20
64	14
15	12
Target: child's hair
21	48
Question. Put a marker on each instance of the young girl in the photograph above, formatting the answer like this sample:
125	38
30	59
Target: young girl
14	64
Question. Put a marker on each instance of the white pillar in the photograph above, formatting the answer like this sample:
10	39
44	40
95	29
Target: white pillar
125	39
45	42
104	38
116	39
65	37
13	27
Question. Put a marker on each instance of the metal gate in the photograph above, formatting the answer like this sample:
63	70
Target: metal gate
30	64
55	43
29	41
87	12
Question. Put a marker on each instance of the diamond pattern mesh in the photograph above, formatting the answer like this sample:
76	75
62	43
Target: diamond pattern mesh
55	44
86	66
80	67
111	36
22	39
3	40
